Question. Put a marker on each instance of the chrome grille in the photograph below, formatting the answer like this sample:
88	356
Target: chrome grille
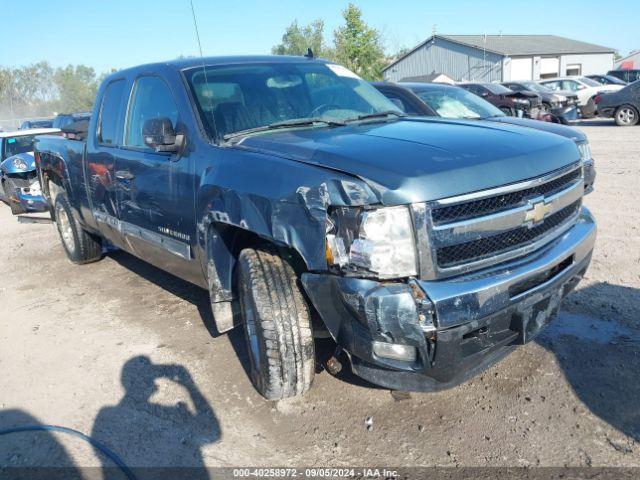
484	206
496	244
465	233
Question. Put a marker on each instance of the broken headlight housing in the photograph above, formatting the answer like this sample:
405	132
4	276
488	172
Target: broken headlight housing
19	163
378	242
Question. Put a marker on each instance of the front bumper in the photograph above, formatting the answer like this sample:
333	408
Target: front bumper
566	114
479	317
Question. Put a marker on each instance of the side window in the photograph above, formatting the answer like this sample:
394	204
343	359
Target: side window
151	99
552	85
110	113
570	85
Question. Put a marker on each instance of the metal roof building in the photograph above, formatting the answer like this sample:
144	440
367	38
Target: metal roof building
488	58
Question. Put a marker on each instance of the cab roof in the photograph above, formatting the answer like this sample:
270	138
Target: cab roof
193	62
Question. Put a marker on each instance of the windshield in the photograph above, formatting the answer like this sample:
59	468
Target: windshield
589	82
614	80
16	145
458	103
235	98
497	89
535	87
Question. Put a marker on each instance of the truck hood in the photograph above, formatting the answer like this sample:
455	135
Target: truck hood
558	129
422	159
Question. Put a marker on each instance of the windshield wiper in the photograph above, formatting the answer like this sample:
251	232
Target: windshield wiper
382	114
298	122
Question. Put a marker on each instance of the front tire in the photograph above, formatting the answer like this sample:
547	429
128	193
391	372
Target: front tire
277	325
81	246
626	116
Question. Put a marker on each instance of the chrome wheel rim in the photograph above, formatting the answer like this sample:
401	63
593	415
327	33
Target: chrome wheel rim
626	116
66	232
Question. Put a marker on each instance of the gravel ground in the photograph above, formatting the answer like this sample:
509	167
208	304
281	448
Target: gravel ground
127	353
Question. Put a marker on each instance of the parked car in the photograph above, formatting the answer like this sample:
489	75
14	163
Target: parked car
37	123
563	106
305	201
19	185
628	76
607	79
64	119
447	101
515	104
584	87
623	105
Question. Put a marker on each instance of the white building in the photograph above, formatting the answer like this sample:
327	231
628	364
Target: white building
488	58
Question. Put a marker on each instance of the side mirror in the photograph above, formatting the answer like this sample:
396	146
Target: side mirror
158	133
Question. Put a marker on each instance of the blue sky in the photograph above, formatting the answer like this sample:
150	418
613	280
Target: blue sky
121	33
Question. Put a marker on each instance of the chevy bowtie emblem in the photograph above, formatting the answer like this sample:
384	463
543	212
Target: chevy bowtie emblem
536	213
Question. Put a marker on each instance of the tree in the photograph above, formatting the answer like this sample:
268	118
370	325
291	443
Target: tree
38	90
296	40
359	46
77	87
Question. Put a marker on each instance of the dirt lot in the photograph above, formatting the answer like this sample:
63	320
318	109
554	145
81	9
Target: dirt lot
128	354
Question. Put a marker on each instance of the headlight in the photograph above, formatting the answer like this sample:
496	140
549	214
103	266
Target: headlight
19	164
379	242
585	151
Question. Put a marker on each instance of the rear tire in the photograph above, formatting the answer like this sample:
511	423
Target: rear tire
81	246
16	209
589	110
626	116
277	325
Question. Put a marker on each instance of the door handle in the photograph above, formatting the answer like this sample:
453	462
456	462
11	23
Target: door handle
124	175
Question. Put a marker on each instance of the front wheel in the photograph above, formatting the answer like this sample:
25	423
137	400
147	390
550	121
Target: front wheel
277	325
626	116
81	246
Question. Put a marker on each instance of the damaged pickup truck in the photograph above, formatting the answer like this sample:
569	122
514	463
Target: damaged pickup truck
306	202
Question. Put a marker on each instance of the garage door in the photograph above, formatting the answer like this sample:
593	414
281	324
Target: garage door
521	69
549	67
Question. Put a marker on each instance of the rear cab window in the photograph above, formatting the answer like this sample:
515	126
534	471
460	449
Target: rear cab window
110	110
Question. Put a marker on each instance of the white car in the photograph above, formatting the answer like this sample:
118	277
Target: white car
585	88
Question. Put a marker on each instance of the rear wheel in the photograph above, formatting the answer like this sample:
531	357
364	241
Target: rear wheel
626	116
16	209
81	246
277	325
589	110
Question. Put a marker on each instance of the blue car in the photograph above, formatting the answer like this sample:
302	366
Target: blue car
19	185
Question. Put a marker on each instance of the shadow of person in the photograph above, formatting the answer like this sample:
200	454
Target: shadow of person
32	454
596	340
150	428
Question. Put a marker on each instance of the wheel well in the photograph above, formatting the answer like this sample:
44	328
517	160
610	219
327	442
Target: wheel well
237	239
627	105
223	246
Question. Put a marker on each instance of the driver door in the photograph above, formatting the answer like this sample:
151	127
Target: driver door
155	189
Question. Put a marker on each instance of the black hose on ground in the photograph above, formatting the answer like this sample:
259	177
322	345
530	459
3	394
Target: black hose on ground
99	446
